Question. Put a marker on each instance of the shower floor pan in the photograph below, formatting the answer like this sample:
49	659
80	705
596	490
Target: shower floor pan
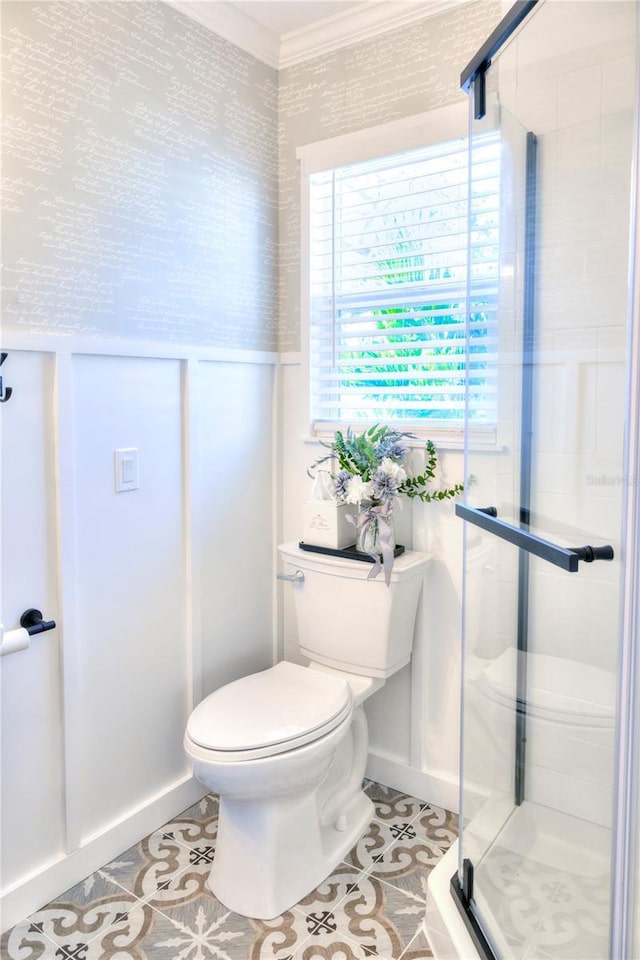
541	888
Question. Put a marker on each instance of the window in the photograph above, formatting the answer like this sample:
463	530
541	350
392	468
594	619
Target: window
388	286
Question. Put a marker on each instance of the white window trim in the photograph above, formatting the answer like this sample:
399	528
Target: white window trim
421	130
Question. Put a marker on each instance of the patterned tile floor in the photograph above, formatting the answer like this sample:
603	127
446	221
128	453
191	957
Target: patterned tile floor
152	902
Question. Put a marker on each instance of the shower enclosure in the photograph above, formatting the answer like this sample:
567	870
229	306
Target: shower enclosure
547	836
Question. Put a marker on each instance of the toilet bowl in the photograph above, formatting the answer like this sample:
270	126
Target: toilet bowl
286	748
275	840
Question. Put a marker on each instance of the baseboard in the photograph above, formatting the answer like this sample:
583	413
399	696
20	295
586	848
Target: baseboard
441	791
53	878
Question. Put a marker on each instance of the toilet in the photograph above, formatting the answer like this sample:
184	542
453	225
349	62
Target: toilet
286	748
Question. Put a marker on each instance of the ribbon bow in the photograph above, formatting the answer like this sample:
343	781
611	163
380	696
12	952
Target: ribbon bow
378	515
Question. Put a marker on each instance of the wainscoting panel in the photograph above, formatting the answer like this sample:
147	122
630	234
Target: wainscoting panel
31	745
131	609
237	530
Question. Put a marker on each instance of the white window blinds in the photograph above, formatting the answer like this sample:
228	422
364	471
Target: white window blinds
389	250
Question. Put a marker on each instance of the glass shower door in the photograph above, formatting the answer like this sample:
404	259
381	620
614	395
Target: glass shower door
543	504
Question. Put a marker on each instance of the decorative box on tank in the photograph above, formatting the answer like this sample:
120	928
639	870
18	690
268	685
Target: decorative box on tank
326	524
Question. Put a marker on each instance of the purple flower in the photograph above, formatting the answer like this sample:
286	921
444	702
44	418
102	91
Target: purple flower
390	446
396	451
387	479
340	485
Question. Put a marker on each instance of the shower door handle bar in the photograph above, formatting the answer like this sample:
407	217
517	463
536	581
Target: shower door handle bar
567	558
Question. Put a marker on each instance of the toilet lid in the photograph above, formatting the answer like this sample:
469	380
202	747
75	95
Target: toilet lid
270	711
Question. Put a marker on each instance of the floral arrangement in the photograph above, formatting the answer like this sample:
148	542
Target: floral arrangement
372	469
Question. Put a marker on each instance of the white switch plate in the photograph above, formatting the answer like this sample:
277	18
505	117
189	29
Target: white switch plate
126	463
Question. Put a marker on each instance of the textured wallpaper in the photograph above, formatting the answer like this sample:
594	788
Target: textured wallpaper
142	169
389	77
140	177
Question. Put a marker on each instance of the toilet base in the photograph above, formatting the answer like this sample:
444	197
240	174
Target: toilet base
286	820
271	855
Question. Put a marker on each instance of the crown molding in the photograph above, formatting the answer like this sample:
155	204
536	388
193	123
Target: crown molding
369	19
236	26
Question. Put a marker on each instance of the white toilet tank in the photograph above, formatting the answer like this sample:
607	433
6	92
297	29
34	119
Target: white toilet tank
348	622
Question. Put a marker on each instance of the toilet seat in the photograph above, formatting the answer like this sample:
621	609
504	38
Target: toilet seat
269	713
559	690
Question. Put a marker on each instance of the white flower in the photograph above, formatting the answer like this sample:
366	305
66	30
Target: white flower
393	470
357	490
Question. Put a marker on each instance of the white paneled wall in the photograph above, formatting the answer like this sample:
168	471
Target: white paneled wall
236	531
130	584
161	594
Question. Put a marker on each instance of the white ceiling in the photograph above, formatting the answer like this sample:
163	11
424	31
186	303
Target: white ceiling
285	16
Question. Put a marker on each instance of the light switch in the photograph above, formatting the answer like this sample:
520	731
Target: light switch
128	469
126	462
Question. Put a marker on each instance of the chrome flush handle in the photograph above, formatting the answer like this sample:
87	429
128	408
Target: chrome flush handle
297	577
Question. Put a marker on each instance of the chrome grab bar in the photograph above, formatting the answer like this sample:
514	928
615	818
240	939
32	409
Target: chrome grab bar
297	577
